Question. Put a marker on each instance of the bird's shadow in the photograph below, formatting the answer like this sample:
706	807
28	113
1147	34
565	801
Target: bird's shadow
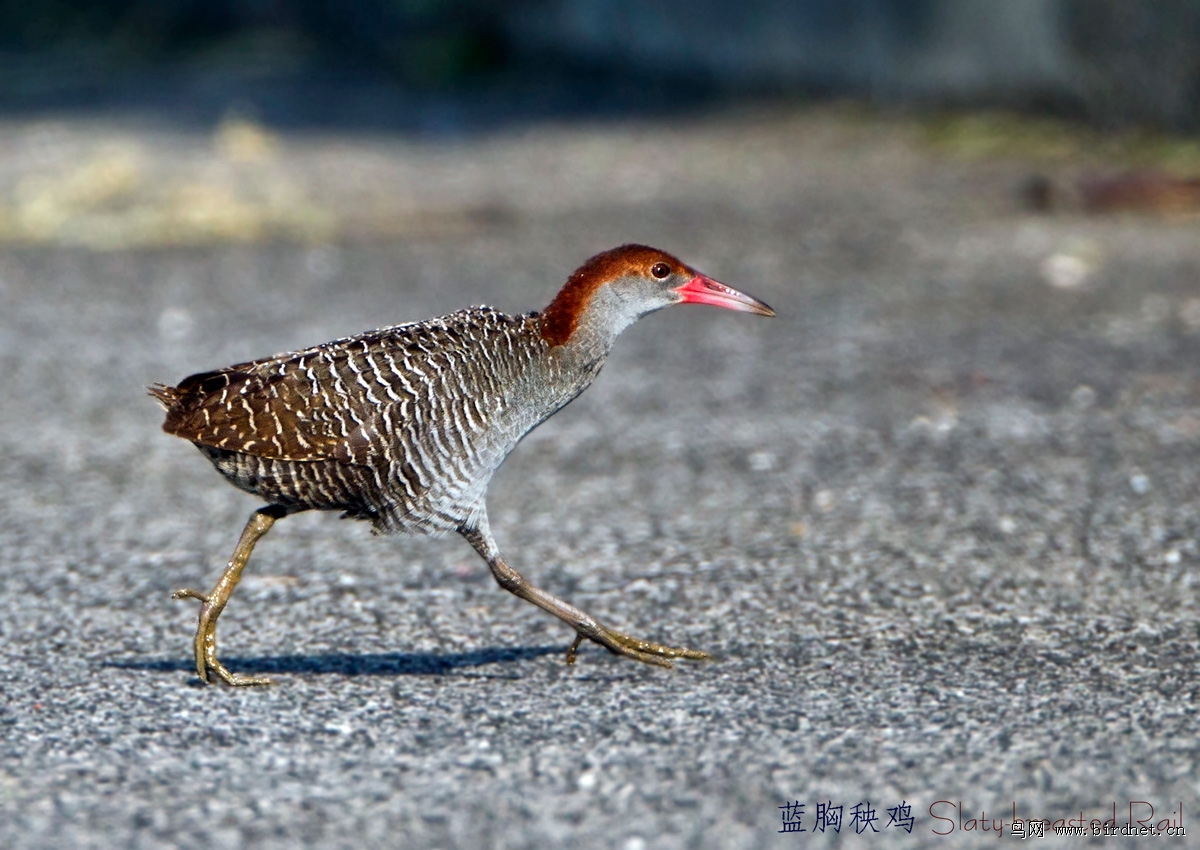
352	664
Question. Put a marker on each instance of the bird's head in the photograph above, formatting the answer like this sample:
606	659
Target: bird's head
617	287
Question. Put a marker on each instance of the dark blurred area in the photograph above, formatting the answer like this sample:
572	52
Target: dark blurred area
399	63
171	122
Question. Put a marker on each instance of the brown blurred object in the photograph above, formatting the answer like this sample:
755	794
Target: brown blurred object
1139	191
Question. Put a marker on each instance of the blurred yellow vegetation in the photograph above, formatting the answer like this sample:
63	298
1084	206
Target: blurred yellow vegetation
69	183
118	197
241	140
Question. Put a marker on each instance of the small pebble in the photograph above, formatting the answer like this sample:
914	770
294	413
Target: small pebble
1189	314
824	501
1083	397
1064	271
762	461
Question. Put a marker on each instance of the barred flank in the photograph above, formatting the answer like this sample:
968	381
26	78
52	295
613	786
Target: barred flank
403	426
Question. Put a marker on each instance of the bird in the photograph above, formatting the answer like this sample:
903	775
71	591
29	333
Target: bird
404	427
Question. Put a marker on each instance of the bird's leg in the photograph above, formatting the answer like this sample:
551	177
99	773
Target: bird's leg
585	625
213	603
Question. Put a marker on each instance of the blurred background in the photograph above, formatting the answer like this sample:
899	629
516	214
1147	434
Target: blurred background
1059	80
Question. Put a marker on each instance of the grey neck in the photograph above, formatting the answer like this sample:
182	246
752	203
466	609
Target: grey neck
577	362
608	313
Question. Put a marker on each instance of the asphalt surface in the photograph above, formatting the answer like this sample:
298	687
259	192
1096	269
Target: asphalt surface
937	522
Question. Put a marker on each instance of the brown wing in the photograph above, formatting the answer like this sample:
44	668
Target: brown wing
286	408
350	399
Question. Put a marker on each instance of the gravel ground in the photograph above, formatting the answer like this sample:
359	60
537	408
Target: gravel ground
937	522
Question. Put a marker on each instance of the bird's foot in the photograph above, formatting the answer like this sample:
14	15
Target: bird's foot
205	643
631	647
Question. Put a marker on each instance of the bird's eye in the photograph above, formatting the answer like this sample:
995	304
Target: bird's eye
660	270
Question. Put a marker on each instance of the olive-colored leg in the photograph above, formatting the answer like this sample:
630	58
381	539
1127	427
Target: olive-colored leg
213	603
585	625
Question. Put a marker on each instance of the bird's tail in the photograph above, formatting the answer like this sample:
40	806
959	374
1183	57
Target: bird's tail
166	396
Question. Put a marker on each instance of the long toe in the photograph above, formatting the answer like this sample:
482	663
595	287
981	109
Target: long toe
645	651
236	681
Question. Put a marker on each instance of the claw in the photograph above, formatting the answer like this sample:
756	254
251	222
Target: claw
574	646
